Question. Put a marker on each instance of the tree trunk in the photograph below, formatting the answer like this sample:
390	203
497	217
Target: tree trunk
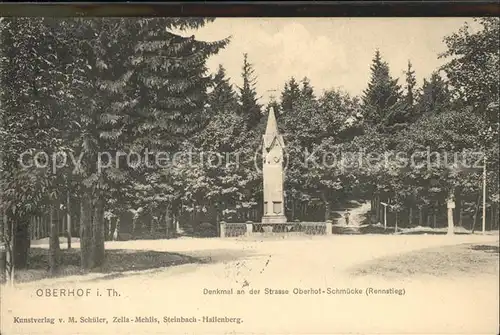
98	231
143	224
396	222
152	225
22	245
58	220
6	255
410	217
110	228
3	246
42	224
434	216
457	213
159	222
134	224
63	219
420	216
378	208
9	249
32	228
327	207
168	224
46	226
54	249
494	215
85	231
68	220
460	213
176	218
217	219
476	211
37	228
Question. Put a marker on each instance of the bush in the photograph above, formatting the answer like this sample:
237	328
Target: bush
206	229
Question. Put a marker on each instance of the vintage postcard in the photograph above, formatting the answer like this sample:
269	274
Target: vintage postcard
249	175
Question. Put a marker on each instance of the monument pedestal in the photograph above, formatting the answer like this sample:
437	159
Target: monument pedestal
274	219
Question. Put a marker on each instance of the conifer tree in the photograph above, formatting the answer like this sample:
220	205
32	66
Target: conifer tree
290	96
250	108
435	96
410	84
382	95
170	92
408	109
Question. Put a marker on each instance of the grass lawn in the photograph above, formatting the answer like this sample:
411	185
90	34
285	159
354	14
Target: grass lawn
445	261
118	261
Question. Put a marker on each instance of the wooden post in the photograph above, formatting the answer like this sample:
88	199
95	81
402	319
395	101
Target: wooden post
117	229
222	229
385	217
249	228
385	213
450	206
328	227
484	196
175	217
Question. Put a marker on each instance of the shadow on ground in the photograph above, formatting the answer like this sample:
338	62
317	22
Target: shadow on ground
119	262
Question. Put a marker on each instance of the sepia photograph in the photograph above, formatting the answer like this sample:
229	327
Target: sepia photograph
279	175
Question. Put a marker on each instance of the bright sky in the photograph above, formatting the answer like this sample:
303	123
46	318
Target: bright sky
331	52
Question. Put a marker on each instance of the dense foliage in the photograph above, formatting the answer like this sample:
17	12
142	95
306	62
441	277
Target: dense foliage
94	89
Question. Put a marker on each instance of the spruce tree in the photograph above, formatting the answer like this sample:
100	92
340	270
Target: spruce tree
250	108
222	99
307	91
410	84
435	96
290	96
382	94
169	87
408	109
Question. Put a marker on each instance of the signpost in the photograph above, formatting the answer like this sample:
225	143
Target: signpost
385	213
451	206
484	195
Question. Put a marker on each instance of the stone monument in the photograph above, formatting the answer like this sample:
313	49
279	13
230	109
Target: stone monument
272	173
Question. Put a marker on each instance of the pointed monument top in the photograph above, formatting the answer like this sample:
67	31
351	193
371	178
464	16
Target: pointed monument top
272	126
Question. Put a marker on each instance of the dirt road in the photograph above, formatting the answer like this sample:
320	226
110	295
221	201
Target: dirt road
309	270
